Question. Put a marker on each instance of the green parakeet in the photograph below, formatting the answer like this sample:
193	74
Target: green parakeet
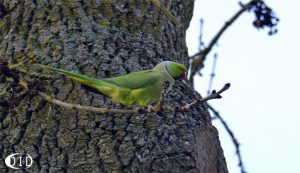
135	89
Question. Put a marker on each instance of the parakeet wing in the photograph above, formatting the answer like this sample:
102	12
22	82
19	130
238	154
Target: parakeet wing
135	80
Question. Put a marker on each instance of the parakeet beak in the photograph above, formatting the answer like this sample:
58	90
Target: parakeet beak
183	75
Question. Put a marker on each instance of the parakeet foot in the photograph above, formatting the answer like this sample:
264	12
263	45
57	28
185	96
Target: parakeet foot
146	109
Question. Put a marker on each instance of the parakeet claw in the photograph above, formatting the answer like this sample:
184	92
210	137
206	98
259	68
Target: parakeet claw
155	108
150	108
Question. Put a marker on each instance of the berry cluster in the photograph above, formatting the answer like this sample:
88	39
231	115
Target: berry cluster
265	17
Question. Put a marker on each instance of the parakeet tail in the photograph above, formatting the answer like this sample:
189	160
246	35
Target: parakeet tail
78	77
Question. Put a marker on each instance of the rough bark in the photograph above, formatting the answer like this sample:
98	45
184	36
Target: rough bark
100	39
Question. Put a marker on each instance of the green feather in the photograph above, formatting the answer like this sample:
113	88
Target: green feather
138	88
129	81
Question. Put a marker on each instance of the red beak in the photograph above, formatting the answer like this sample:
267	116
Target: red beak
183	75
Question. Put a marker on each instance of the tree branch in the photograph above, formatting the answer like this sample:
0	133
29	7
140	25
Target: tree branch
159	5
234	140
213	95
197	63
83	108
212	74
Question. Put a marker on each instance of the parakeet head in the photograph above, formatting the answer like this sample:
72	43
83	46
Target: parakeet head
176	70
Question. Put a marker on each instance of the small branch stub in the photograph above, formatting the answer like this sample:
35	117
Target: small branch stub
214	95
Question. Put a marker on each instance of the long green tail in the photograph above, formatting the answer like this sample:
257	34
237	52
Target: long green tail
78	77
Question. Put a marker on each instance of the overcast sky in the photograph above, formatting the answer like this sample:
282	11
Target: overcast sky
261	107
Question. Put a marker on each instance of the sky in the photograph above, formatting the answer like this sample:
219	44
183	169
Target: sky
261	107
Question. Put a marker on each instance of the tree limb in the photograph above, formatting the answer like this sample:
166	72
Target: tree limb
212	74
83	108
197	63
213	95
234	139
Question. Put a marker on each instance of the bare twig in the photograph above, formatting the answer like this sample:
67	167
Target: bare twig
14	66
234	140
197	63
159	5
213	95
97	109
12	69
201	43
164	95
49	112
212	74
100	110
200	48
84	108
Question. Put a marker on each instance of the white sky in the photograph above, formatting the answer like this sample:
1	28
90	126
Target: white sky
261	106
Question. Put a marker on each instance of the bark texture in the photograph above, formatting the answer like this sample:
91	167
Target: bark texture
100	38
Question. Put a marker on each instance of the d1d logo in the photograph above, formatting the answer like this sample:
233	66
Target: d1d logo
18	161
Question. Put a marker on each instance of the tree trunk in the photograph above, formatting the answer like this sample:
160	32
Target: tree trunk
99	39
